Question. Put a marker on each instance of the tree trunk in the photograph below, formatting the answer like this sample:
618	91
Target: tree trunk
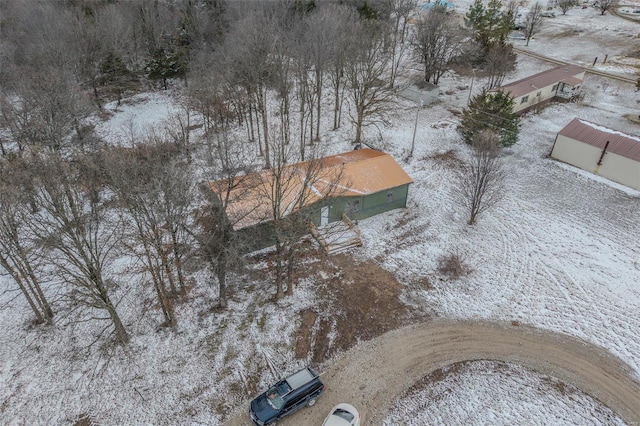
359	124
319	81
35	284
261	102
279	268
290	267
221	272
302	130
167	270
178	261
122	337
16	277
165	302
336	106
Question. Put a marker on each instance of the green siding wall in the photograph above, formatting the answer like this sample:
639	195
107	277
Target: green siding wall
261	236
369	205
379	202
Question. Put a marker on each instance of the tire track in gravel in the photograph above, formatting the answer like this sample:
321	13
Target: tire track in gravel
374	374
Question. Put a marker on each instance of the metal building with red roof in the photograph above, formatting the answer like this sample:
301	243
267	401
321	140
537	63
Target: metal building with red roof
600	150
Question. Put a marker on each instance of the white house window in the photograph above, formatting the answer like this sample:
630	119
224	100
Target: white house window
524	99
389	196
539	93
554	88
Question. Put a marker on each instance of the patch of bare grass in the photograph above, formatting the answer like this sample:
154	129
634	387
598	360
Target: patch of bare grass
448	158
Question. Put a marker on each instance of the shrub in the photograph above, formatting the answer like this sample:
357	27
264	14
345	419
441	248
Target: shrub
453	265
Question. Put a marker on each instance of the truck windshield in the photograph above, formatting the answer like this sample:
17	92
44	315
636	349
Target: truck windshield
274	398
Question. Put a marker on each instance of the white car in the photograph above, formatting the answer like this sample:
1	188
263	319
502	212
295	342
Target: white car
343	415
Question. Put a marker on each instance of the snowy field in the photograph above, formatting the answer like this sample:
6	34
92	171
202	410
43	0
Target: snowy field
516	397
561	252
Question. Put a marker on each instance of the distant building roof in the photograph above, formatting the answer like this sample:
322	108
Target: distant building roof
564	73
596	135
354	173
432	4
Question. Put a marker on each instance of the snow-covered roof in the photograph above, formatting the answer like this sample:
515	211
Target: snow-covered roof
598	136
564	73
432	4
353	173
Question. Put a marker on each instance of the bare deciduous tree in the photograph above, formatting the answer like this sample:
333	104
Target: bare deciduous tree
500	61
247	52
400	13
305	95
153	186
604	5
438	40
533	21
81	235
293	192
344	22
321	36
179	128
480	179
19	254
214	232
365	72
44	109
565	5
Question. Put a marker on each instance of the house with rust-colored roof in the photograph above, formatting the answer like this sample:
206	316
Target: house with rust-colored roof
357	184
600	150
560	83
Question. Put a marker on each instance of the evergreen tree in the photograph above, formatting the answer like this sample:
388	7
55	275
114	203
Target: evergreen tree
493	111
115	74
490	24
499	22
474	19
367	12
167	63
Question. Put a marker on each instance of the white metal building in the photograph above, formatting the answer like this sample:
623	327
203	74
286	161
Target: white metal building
600	150
561	82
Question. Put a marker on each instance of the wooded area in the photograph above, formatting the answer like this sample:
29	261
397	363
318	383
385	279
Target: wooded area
255	78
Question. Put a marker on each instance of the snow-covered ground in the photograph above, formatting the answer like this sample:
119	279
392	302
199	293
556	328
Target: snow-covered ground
561	252
137	116
516	397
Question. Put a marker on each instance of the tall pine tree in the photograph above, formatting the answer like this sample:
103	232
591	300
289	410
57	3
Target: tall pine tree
493	111
490	24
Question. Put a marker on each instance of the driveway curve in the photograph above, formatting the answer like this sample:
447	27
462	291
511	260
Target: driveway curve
374	373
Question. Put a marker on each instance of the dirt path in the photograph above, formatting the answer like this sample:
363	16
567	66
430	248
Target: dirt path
373	374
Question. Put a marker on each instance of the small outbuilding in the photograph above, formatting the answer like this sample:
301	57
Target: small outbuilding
600	150
560	83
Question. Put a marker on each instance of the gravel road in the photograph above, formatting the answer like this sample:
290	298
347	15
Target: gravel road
374	373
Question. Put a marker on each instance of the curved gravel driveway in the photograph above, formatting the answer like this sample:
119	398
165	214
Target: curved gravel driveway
373	374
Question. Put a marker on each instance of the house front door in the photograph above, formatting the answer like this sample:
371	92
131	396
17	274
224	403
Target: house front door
324	216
